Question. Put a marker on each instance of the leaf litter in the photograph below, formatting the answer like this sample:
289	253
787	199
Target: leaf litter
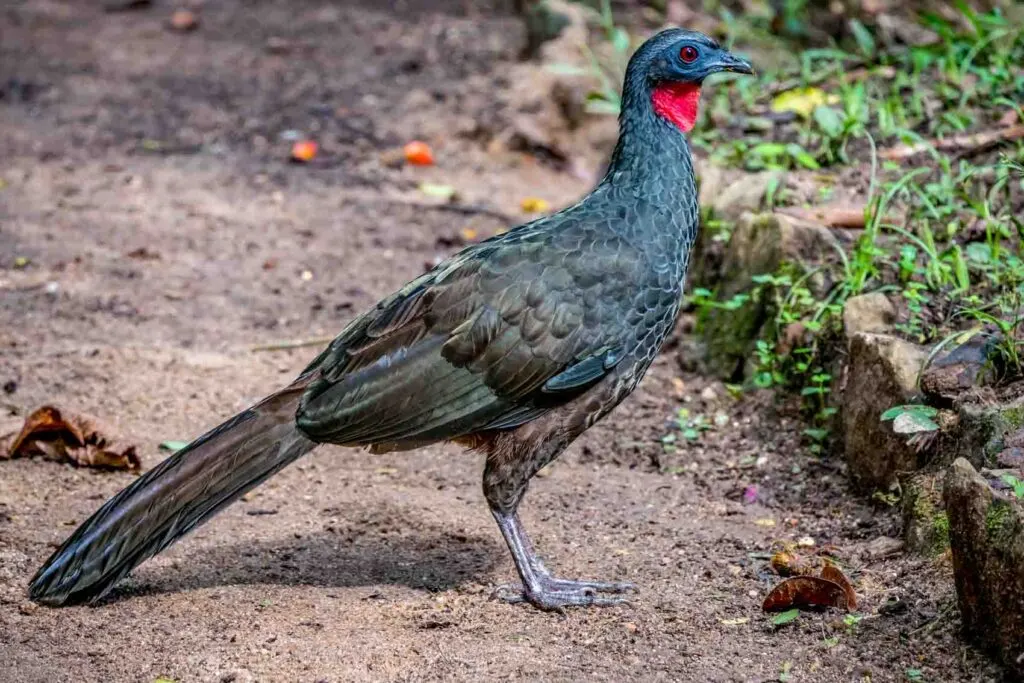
67	437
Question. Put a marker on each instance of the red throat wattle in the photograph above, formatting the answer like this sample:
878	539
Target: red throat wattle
677	102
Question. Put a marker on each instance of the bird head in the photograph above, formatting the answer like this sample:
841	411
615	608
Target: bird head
671	67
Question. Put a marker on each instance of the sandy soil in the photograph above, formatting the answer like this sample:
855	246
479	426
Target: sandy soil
145	181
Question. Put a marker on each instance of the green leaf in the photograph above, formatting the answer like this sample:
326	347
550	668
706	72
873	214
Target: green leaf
829	121
768	150
979	252
913	422
786	617
915	675
963	278
1016	484
865	41
816	434
445	192
926	411
805	159
173	446
620	40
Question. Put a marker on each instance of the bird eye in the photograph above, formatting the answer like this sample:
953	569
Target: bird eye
688	54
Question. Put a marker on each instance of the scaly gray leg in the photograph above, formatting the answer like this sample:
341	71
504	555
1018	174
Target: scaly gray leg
539	587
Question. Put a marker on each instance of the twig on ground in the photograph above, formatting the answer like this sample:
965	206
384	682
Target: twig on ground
293	344
931	624
465	209
973	143
835	215
831	216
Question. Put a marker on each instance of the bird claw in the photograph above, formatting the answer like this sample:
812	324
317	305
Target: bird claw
554	595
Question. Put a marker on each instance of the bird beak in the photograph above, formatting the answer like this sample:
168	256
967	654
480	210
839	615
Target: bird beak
730	62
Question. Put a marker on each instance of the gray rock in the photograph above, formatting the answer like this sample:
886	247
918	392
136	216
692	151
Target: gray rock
988	435
881	373
961	368
730	196
872	312
986	533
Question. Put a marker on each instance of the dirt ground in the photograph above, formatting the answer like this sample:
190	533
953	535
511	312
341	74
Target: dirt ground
145	180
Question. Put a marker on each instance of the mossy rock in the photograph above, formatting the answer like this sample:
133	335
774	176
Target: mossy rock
983	432
986	533
761	244
925	522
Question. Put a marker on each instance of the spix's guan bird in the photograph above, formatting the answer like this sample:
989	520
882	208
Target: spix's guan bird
514	346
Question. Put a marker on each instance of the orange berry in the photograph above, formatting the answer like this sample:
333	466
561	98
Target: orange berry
418	153
304	150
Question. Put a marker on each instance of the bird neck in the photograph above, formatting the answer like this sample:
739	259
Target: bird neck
652	144
651	168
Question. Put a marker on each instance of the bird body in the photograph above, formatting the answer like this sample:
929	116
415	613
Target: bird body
514	346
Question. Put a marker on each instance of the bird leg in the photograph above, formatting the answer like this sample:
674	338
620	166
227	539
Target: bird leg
539	587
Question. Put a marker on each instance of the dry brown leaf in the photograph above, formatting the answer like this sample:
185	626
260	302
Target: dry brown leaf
805	591
62	436
832	573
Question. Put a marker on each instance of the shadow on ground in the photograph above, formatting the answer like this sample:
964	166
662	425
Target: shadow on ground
427	559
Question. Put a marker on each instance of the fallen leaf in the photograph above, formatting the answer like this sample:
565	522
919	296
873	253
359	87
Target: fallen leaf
468	234
802	101
304	150
768	521
418	153
534	205
144	253
786	617
65	437
446	192
173	446
832	573
734	622
183	20
805	591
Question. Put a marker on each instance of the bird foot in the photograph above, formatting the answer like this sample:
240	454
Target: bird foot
553	594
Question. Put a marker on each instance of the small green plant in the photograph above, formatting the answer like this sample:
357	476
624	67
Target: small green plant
850	621
608	67
1014	483
911	419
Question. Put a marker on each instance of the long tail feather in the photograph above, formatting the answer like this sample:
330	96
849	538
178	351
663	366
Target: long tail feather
173	498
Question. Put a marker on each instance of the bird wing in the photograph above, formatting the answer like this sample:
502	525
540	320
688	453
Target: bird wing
490	339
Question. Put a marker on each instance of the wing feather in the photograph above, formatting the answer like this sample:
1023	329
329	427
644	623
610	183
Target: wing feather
491	339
